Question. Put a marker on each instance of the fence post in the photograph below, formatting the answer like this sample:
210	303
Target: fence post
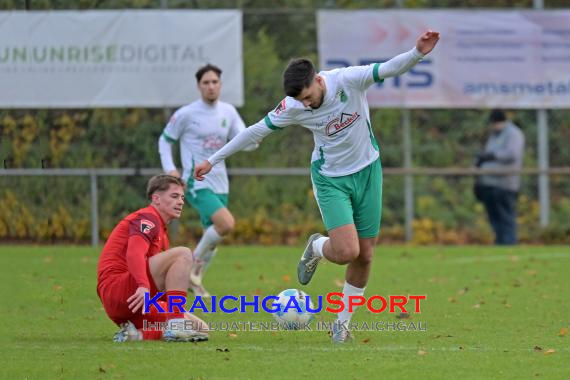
408	179
94	210
543	164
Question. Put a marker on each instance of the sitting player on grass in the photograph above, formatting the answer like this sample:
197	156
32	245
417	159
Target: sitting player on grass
136	260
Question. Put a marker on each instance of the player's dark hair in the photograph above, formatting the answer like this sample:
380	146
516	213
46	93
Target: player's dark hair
161	182
497	116
204	69
298	75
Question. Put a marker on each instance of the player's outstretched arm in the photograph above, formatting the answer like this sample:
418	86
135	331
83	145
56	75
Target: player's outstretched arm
251	135
427	41
405	61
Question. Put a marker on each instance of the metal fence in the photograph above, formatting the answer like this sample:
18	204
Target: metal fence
407	173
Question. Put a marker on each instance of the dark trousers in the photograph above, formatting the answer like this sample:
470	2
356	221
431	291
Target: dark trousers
501	207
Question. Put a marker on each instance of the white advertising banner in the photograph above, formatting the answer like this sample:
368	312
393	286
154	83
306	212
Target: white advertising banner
132	58
514	59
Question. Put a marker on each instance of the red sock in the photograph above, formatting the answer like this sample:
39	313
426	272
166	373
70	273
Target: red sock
176	311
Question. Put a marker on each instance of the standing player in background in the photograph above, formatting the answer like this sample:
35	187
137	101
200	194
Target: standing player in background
345	168
203	127
136	260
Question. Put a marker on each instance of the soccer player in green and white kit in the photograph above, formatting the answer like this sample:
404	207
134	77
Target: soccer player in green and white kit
203	127
345	165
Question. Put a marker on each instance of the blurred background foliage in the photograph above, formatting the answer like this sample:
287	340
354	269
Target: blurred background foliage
268	209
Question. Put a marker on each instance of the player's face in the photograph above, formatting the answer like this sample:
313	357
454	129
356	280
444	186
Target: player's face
313	95
170	202
210	86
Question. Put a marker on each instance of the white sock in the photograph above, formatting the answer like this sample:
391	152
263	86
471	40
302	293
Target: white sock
348	290
208	242
207	257
319	244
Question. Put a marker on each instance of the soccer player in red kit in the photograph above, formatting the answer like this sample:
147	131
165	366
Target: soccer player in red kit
136	259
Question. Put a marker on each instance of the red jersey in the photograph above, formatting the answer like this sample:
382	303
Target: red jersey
133	241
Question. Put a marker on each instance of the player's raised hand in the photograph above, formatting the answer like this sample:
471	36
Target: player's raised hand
201	170
427	41
136	301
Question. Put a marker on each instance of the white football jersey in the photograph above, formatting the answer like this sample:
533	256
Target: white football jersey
344	142
202	130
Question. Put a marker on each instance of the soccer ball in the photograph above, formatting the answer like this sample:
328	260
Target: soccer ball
292	313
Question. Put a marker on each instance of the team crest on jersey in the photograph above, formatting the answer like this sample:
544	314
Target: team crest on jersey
339	123
281	107
146	226
342	95
224	123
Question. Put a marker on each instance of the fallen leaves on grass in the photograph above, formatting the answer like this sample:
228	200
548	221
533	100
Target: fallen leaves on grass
225	349
232	335
365	340
422	353
563	331
442	336
550	351
403	316
286	278
338	282
537	349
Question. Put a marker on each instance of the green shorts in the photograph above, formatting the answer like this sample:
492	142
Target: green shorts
207	203
350	199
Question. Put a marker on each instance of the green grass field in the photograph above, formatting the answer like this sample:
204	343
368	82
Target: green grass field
490	313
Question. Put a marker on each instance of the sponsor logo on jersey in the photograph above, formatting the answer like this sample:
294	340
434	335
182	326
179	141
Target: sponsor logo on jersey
212	143
146	226
281	107
338	124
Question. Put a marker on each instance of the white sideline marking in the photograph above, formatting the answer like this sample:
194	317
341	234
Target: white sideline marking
510	257
328	346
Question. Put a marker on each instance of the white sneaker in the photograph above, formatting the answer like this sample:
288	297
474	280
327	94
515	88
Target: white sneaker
197	272
309	261
184	335
199	290
127	333
340	334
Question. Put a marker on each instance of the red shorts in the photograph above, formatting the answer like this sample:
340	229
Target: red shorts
115	291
